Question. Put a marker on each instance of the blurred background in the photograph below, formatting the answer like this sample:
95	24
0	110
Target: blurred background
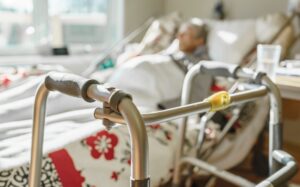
89	25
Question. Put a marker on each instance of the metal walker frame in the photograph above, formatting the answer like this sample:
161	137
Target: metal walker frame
277	157
119	108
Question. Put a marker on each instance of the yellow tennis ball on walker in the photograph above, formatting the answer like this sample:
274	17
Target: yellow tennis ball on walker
219	100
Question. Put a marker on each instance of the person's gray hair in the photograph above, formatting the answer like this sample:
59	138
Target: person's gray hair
198	25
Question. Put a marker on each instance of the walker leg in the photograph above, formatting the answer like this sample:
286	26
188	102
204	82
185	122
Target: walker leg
140	183
177	167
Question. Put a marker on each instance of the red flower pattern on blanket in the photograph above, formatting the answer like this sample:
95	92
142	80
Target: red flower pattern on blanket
103	143
115	174
5	81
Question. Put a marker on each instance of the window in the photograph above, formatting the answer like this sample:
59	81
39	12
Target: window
16	28
81	22
77	6
84	25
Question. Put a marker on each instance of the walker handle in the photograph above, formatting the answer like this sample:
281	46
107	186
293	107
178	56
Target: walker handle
69	84
219	69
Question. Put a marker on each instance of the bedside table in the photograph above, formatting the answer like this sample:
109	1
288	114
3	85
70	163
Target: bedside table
289	87
290	92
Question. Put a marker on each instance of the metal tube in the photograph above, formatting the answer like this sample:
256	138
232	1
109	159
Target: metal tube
249	95
99	93
201	135
245	73
160	116
138	135
183	111
92	67
137	131
276	105
185	98
275	122
139	140
220	138
204	121
114	117
239	181
280	177
177	112
187	84
37	136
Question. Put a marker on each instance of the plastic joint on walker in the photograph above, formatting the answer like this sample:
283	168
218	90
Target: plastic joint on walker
106	122
219	101
116	98
257	77
112	105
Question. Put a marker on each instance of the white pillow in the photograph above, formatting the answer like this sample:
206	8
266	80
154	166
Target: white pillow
230	41
149	79
160	34
268	26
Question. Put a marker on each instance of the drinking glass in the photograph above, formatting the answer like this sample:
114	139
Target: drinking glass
268	57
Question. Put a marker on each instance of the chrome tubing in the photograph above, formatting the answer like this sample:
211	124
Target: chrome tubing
239	181
89	90
236	72
186	110
38	136
280	177
137	129
275	121
139	141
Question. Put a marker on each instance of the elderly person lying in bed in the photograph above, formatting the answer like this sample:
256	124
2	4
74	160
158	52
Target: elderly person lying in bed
189	46
151	79
157	78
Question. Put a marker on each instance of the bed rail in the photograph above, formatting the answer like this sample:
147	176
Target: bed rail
116	47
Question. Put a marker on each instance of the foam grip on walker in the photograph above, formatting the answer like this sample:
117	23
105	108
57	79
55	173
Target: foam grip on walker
219	101
69	84
219	69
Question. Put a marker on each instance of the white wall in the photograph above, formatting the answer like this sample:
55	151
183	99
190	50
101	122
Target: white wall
135	12
138	11
234	8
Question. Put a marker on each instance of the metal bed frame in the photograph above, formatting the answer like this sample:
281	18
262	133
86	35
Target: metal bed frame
119	108
115	48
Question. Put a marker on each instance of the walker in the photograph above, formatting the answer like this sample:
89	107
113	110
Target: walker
119	108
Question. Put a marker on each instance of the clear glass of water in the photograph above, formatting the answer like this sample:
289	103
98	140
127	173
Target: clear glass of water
268	57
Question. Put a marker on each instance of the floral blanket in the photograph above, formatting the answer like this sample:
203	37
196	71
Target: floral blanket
78	152
101	159
81	153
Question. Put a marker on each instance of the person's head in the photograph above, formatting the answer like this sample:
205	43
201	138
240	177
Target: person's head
191	35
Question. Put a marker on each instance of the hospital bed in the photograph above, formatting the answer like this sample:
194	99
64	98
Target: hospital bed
119	108
282	35
120	170
13	75
69	148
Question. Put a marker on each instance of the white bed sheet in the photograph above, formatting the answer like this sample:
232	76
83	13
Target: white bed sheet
150	80
68	130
